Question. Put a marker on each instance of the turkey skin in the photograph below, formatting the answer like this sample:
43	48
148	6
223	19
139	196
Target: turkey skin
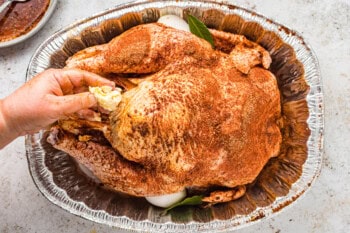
190	116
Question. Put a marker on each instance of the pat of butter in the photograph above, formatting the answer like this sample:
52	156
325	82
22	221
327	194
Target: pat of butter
106	97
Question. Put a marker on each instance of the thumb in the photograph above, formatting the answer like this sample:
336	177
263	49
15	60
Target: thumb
70	104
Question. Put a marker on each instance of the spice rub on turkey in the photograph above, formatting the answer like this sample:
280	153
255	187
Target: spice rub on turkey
190	115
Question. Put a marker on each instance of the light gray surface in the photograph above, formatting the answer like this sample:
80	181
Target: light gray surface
325	208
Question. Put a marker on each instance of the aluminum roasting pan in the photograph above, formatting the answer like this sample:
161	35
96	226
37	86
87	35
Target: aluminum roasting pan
281	183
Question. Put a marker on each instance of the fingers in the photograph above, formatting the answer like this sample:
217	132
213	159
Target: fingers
88	114
71	80
70	104
81	78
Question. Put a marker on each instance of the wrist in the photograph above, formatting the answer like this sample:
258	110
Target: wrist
6	133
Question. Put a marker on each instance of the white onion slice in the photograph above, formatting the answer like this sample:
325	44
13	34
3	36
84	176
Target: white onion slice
167	200
174	21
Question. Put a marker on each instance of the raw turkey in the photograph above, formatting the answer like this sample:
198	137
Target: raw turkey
191	116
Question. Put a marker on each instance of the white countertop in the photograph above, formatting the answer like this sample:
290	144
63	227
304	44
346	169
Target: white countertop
324	208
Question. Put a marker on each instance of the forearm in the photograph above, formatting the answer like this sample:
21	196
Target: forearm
6	133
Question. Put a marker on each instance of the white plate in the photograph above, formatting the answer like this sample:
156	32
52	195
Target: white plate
34	30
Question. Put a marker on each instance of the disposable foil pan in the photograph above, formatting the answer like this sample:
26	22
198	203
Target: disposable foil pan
283	180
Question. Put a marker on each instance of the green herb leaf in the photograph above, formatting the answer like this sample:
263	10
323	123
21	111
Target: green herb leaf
194	200
199	29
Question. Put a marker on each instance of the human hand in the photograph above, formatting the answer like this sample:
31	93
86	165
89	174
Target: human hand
51	95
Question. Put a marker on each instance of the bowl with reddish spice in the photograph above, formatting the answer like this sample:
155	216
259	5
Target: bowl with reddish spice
21	20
